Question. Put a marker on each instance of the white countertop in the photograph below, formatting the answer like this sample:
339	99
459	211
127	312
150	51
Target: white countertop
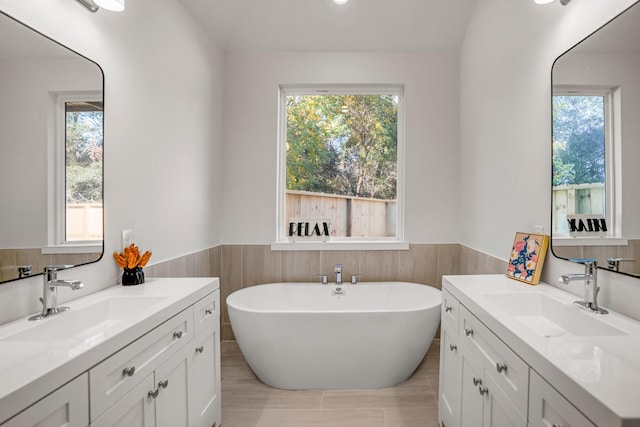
30	369
599	374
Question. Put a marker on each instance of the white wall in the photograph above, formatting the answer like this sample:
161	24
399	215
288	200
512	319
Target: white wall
25	107
505	131
431	130
163	138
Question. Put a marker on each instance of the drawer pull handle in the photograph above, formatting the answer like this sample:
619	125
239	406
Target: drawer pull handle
163	384
200	349
177	334
448	309
477	380
209	311
453	347
483	390
556	425
153	393
500	366
468	331
129	371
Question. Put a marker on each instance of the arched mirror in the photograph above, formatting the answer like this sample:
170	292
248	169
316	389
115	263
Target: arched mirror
51	144
596	147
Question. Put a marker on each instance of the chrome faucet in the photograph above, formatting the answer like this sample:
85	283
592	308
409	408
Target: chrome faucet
338	271
50	283
591	289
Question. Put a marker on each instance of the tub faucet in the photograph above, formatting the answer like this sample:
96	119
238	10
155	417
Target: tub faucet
591	289
338	271
614	263
50	283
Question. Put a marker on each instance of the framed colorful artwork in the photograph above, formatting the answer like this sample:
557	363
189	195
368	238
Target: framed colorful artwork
527	257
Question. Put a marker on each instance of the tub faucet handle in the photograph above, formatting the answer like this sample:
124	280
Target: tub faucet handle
323	278
354	278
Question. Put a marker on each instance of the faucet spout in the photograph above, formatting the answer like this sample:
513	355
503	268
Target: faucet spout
568	278
591	289
73	284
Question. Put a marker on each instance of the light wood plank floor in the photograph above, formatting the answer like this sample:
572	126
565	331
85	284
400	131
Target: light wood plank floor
246	402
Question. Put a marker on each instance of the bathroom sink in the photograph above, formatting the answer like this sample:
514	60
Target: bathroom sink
86	323
549	317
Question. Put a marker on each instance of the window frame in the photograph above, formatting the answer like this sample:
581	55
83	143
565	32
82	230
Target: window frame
58	242
338	243
613	157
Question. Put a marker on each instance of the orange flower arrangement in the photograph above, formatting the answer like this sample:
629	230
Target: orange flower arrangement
130	258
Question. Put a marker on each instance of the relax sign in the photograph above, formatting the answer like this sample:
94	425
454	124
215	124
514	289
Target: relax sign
315	229
587	225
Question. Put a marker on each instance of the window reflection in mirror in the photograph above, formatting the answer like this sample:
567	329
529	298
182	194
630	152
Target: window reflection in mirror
82	190
580	155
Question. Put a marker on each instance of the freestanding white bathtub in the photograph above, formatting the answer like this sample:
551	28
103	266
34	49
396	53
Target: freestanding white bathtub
305	336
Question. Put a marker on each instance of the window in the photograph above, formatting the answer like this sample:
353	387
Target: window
340	152
78	169
583	145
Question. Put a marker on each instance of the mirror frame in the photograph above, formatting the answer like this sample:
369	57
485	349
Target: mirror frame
98	255
610	21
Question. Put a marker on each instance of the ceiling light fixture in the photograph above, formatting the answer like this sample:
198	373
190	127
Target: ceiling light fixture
340	2
113	5
94	5
562	2
89	4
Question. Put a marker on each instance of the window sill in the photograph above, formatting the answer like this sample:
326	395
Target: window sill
81	248
341	246
589	241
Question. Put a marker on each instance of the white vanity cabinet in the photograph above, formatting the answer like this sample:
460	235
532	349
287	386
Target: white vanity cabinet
480	378
179	375
512	354
153	360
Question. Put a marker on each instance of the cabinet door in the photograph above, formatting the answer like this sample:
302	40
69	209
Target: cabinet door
135	409
498	409
471	401
68	406
450	371
204	396
172	385
547	407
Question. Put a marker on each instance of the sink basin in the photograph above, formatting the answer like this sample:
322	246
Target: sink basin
85	323
549	317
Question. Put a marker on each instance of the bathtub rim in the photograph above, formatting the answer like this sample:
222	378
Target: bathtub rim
434	292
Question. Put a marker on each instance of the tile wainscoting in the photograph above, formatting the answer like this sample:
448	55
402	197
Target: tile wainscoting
240	266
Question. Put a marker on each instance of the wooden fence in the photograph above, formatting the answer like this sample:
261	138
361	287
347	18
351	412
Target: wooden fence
350	216
84	221
576	199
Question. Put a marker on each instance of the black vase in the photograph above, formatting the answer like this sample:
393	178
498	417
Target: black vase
132	276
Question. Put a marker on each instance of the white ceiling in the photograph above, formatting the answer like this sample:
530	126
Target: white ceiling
321	25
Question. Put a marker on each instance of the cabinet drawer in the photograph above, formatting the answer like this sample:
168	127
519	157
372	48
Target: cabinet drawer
115	376
206	312
547	407
509	371
450	310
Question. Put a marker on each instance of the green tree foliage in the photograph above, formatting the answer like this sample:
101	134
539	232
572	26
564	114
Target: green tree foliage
578	139
343	144
84	141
